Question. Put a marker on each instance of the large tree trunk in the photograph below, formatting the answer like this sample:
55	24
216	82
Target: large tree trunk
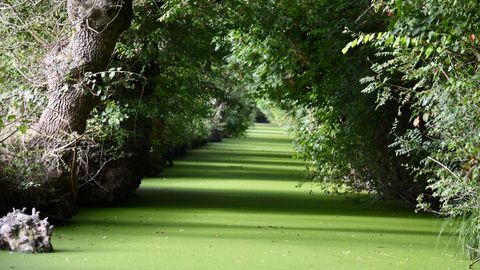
97	27
98	24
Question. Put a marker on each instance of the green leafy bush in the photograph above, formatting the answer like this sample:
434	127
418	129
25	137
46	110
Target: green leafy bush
429	63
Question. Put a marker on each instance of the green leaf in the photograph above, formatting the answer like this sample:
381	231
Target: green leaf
367	38
360	39
354	43
347	47
390	40
23	129
429	52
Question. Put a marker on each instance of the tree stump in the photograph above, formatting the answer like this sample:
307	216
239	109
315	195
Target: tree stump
21	232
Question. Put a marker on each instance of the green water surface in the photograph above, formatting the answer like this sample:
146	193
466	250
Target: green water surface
234	205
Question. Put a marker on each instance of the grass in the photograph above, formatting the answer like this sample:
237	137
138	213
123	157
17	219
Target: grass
234	205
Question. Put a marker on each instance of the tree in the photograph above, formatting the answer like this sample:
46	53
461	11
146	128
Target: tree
97	24
431	68
46	172
113	108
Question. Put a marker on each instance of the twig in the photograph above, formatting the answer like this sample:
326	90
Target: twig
363	14
445	167
470	266
8	136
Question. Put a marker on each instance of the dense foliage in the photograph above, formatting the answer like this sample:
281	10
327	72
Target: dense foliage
163	92
185	95
294	62
431	66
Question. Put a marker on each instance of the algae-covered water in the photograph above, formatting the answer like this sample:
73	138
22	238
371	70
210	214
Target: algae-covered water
234	205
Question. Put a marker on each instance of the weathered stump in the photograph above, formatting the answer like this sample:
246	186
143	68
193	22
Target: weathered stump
21	232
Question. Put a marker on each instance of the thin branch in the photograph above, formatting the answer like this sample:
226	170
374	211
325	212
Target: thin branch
445	167
363	14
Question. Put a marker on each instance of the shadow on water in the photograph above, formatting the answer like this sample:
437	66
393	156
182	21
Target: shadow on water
269	140
242	156
240	197
155	225
251	161
267	202
235	172
220	162
210	152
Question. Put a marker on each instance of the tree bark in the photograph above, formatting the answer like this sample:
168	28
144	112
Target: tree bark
97	24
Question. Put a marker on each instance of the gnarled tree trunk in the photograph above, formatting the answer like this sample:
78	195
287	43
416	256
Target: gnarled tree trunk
97	27
98	24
